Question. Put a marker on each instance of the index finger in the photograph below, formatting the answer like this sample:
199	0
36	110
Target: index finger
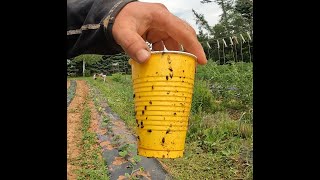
181	32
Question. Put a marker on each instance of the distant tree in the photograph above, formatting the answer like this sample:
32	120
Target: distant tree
245	8
236	18
109	64
87	59
71	68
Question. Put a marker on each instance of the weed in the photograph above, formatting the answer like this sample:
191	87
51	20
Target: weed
90	160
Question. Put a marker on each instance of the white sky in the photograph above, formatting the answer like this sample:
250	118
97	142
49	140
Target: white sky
183	9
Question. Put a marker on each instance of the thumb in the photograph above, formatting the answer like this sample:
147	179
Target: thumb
134	45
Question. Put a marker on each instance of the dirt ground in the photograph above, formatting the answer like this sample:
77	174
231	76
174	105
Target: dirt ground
74	124
94	124
74	135
68	84
75	111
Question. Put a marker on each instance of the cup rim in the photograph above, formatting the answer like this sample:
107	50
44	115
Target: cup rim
174	52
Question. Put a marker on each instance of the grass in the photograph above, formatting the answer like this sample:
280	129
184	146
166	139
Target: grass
215	149
119	95
92	165
231	85
219	139
198	165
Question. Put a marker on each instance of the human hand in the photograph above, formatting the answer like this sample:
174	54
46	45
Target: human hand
141	21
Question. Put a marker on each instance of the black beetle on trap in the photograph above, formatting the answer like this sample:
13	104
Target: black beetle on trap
171	75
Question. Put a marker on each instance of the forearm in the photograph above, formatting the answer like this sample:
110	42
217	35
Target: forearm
89	26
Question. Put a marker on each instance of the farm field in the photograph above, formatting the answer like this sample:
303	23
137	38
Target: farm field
219	142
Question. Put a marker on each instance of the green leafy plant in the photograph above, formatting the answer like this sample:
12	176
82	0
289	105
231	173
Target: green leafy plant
125	151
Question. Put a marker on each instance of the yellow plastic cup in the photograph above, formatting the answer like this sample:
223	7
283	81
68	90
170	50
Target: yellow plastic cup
163	89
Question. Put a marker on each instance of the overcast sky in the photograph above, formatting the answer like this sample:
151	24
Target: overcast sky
183	9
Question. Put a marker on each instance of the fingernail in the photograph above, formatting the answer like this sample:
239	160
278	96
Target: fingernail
143	55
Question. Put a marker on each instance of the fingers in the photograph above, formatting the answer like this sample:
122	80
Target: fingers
158	46
181	32
155	37
153	21
134	45
171	44
187	38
